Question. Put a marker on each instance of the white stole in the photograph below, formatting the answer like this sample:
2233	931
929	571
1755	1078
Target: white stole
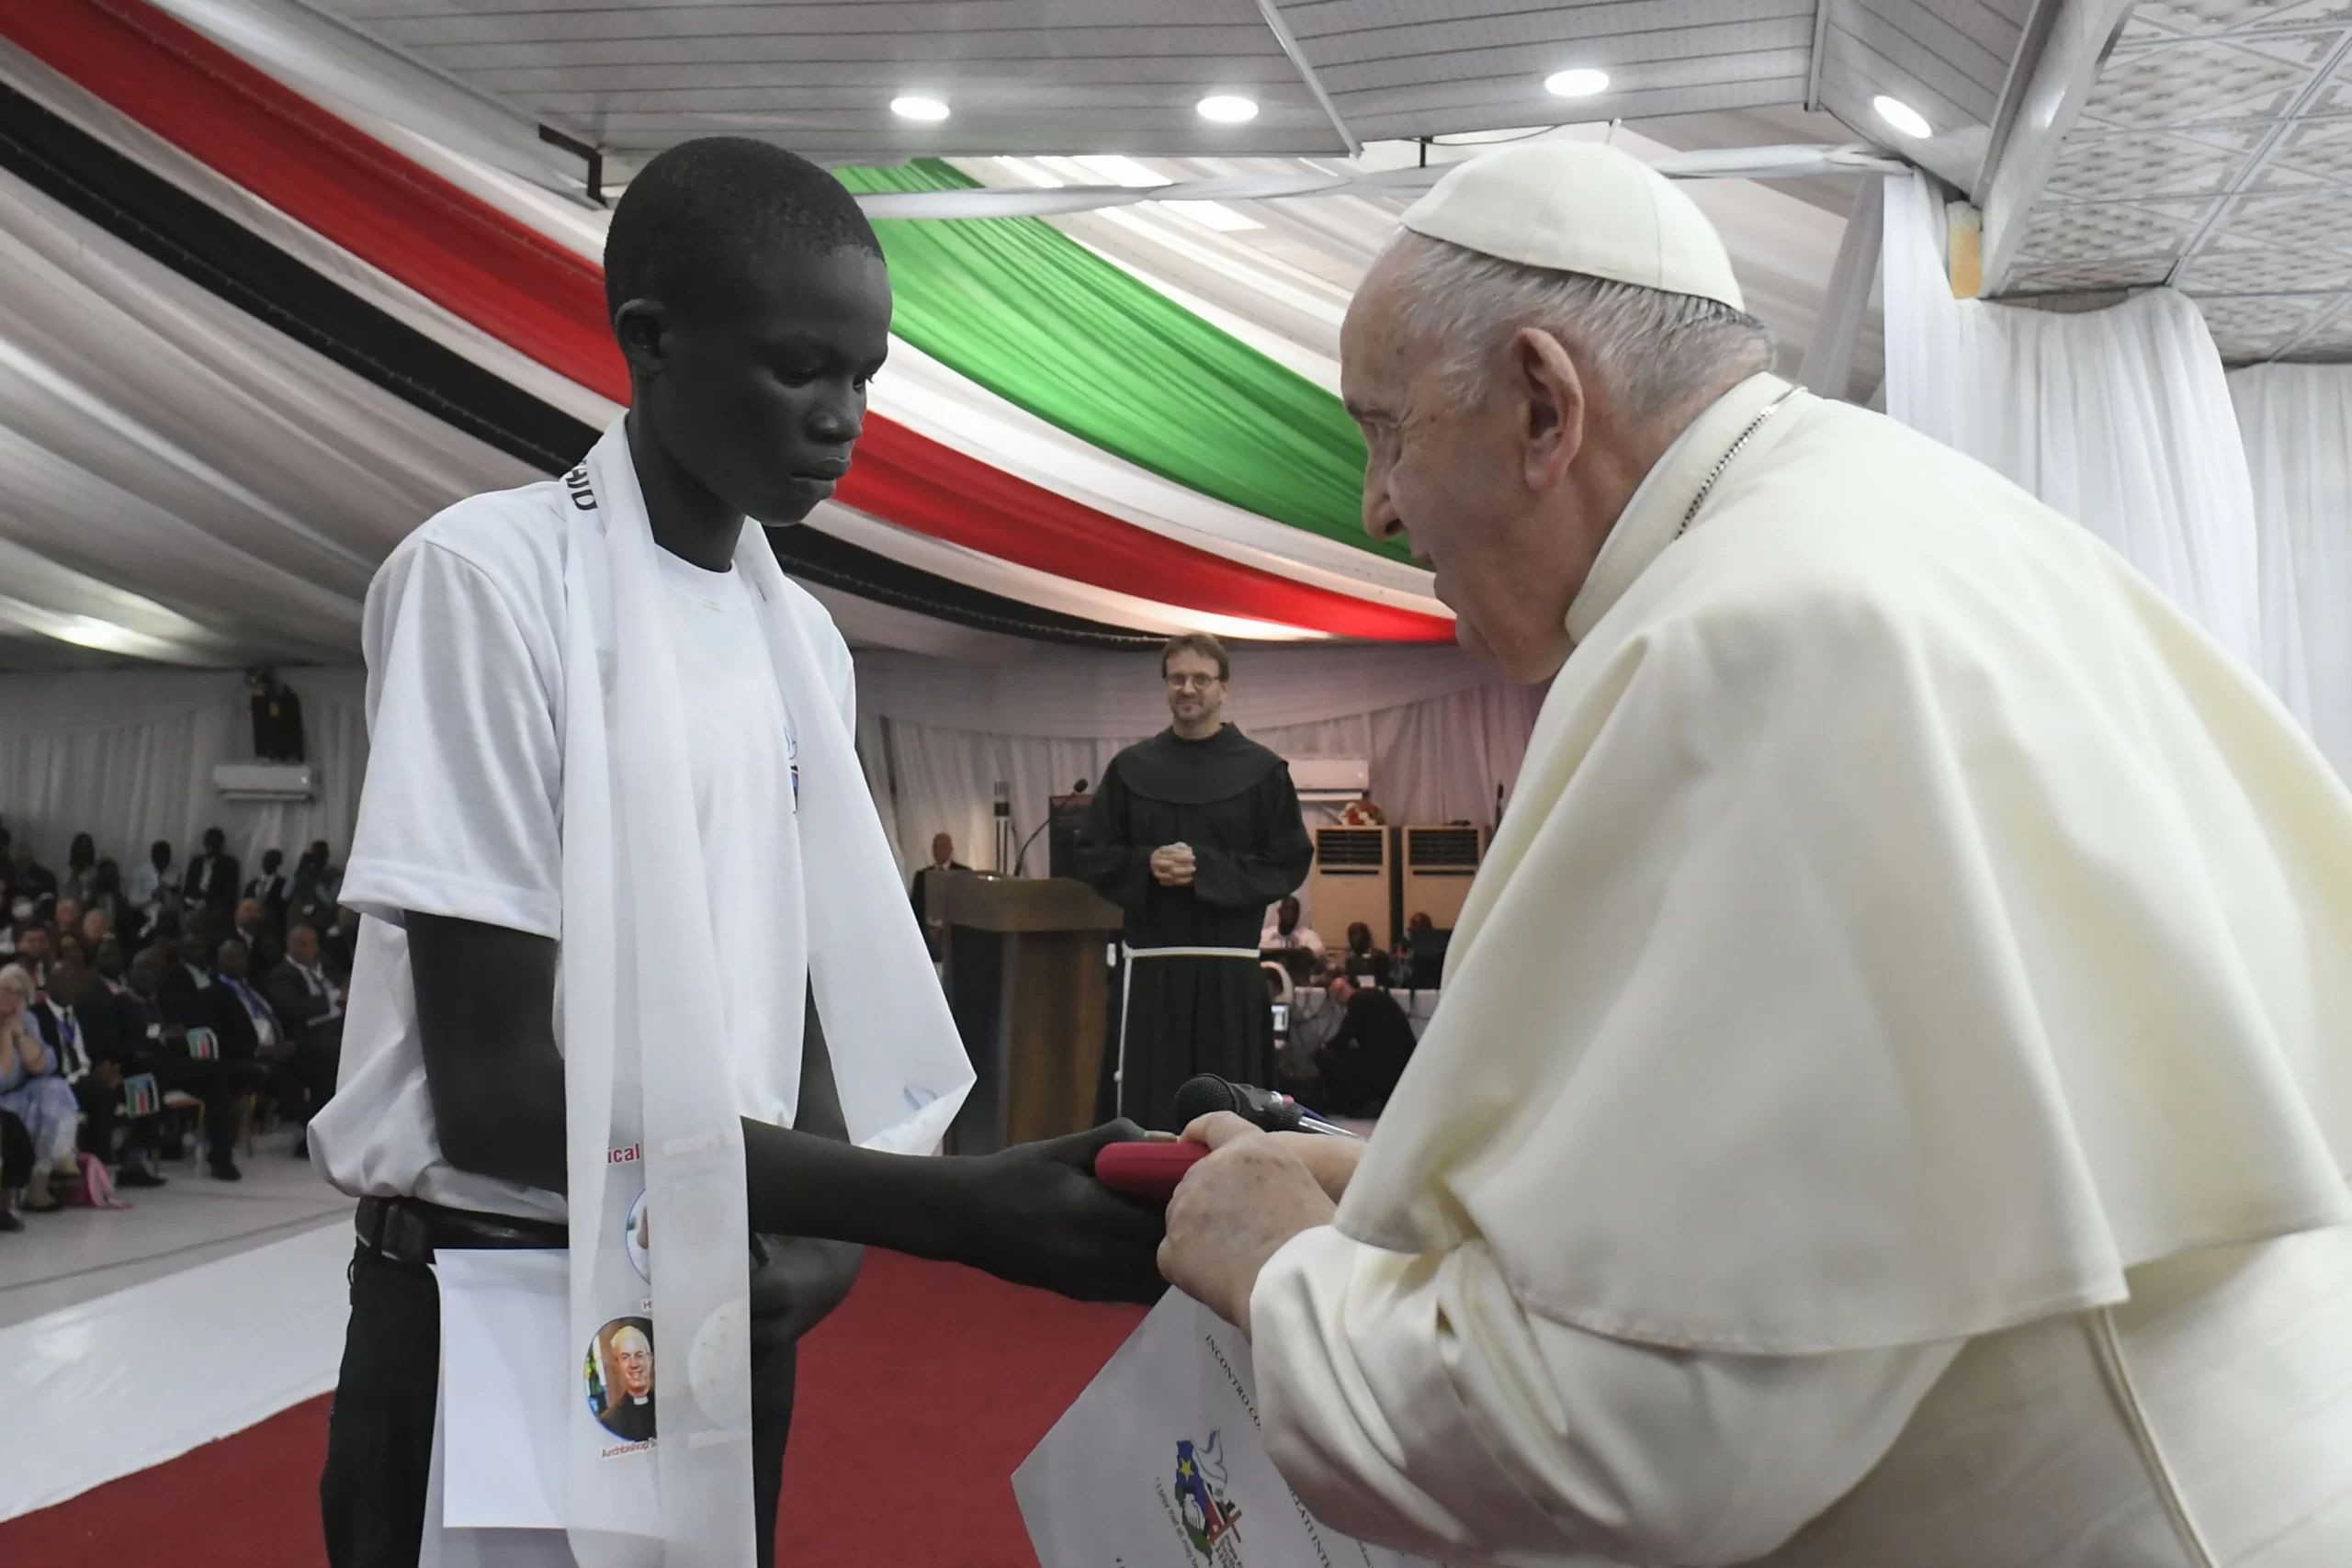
639	1018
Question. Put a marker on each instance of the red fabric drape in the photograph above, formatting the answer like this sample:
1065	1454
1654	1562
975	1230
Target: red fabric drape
547	301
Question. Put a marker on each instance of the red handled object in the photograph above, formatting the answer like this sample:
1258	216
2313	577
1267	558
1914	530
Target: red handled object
1147	1170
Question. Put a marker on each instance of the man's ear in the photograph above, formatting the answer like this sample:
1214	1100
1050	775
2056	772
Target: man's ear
643	328
1552	406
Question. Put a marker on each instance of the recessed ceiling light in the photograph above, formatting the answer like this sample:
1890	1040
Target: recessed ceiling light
918	108
1901	115
1581	83
1226	110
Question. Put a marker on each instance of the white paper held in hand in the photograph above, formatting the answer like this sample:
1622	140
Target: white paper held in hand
1159	1464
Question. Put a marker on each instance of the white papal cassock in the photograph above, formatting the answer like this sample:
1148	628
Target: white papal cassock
1893	1096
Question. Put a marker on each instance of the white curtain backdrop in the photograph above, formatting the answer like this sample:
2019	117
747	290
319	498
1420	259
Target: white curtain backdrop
1440	731
127	756
2296	420
2119	418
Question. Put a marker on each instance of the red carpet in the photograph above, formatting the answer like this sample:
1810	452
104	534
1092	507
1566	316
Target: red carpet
917	1400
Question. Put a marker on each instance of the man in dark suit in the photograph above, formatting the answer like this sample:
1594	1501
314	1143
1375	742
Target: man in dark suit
310	1005
264	944
213	877
273	887
97	1083
943	858
1363	1060
164	1019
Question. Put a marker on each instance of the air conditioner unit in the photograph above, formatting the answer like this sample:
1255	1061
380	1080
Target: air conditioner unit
1351	882
1325	779
1439	865
265	781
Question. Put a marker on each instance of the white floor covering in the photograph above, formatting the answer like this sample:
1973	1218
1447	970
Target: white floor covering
128	1339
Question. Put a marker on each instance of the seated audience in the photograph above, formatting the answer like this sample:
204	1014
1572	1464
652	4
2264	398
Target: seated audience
1285	934
96	926
35	948
1360	1064
115	1025
164	1022
262	942
189	975
212	880
27	877
66	917
155	892
15	1167
271	886
84	1058
311	896
1362	962
81	870
309	1002
1421	956
107	899
32	1089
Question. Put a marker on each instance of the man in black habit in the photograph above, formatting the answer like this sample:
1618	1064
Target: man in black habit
1193	832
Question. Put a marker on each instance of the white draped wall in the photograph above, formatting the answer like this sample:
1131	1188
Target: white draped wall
2297	422
127	756
1439	730
2119	418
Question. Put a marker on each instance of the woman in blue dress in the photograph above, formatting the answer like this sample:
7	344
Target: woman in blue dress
32	1089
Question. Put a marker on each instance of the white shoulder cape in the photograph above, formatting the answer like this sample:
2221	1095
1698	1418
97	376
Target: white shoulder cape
1906	923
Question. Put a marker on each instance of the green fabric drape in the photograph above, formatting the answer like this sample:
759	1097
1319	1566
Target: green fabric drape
1043	322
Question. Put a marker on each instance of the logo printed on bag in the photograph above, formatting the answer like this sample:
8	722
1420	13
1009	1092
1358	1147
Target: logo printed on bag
1203	1507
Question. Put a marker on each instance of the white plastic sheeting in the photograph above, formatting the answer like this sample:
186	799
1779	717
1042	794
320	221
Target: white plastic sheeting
112	1386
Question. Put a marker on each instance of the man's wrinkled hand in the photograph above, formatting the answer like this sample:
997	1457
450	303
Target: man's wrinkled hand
1332	1160
1171	866
1039	1217
1234	1211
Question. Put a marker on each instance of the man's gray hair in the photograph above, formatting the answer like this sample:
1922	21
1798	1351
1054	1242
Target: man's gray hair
1657	351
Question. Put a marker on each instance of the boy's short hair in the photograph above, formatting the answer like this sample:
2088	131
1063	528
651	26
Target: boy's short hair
704	213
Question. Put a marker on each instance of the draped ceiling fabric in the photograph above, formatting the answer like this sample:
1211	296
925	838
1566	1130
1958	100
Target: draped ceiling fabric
2119	418
2297	421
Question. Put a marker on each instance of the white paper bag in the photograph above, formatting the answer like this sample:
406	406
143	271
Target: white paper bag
1159	1464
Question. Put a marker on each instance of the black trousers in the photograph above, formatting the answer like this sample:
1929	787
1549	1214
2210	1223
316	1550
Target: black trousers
220	1084
16	1152
304	1081
380	1432
101	1105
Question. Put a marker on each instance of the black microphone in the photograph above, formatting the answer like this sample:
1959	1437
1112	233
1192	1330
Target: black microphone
1263	1108
1040	828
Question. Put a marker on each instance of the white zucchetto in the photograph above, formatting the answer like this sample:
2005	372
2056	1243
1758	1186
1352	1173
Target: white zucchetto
1579	206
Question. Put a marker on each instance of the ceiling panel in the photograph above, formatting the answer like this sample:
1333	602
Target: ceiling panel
1035	76
2203	145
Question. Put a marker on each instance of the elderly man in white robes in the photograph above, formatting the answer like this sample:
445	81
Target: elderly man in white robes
1892	1097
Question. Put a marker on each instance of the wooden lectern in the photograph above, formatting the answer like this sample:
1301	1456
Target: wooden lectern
1026	977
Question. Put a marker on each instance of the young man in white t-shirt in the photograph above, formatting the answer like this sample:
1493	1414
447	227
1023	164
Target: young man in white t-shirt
751	298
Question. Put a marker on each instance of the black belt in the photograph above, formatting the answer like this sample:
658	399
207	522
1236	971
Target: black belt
408	1230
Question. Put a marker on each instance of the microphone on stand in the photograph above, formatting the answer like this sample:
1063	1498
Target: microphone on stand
1079	789
1151	1170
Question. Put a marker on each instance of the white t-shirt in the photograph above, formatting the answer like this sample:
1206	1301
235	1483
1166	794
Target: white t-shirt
462	813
